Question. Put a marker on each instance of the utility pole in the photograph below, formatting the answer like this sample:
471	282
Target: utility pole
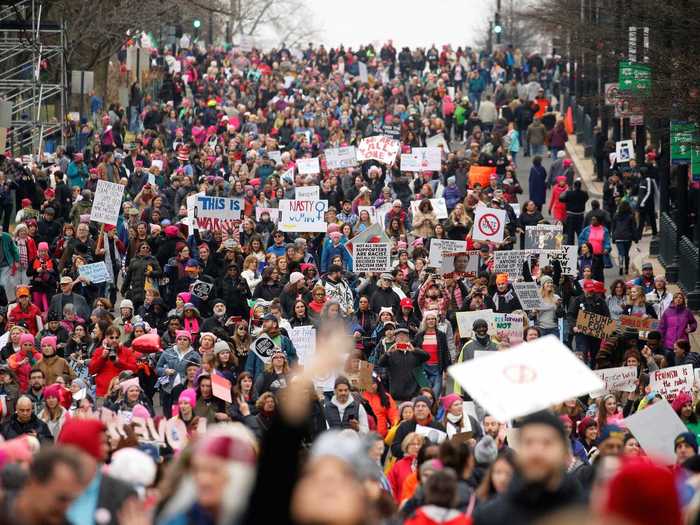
497	24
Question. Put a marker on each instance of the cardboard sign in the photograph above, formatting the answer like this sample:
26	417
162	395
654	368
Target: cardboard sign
619	379
544	236
438	141
429	159
371	257
528	294
465	322
304	340
107	203
309	193
339	158
441	247
221	387
489	224
373	234
624	151
273	212
465	264
509	328
380	148
656	428
669	382
95	272
201	289
595	325
642	324
263	347
530	377
303	215
308	166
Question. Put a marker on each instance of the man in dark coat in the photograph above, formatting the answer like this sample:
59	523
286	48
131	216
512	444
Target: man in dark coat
421	416
23	421
537	183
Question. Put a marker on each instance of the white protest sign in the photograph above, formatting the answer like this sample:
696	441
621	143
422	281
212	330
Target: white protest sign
432	434
380	148
465	322
217	213
656	428
275	155
304	340
371	211
530	377
95	272
462	264
544	236
619	379
371	257
669	382
624	151
309	193
273	212
107	202
373	234
489	224
437	141
308	166
440	247
303	215
510	261
338	158
528	294
439	207
567	256
509	328
362	68
429	159
410	162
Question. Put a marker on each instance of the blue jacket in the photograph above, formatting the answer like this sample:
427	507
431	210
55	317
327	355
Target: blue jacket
169	359
255	365
452	196
329	251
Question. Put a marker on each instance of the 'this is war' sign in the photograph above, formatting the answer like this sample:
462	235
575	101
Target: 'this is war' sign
217	213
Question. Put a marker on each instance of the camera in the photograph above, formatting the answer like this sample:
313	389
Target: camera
112	355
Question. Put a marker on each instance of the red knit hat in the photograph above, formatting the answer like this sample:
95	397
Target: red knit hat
84	434
642	493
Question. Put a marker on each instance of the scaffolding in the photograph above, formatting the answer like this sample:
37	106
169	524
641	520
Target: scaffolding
37	94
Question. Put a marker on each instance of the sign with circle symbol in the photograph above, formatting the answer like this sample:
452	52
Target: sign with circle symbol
489	224
520	374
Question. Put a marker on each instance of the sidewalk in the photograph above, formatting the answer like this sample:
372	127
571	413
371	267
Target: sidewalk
639	252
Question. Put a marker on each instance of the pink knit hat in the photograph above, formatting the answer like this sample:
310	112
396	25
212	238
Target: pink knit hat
448	400
682	399
183	333
189	395
26	338
140	411
53	391
49	340
43	246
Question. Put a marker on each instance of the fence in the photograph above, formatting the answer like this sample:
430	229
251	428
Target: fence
668	240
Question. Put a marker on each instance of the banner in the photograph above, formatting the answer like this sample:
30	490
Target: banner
618	379
308	166
371	257
489	224
669	382
107	202
215	213
338	158
440	247
373	234
525	379
380	148
304	340
465	322
544	236
509	328
409	162
642	324
95	272
307	193
528	294
567	255
595	325
303	215
624	151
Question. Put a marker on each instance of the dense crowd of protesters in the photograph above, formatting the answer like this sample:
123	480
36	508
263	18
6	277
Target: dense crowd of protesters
290	447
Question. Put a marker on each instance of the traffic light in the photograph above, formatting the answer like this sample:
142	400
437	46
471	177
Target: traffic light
197	23
497	27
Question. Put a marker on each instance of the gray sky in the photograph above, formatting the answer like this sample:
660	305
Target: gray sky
407	22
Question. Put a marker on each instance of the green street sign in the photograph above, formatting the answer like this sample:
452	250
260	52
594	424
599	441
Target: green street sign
683	134
634	77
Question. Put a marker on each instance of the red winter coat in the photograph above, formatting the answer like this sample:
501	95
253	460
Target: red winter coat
556	208
26	319
398	474
105	370
433	515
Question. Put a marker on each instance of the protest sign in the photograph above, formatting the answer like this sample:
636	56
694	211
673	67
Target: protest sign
373	234
409	162
530	377
624	151
380	148
480	175
465	322
371	211
338	158
275	156
567	256
437	141
439	207
509	328
216	213
263	347
669	382
95	272
303	215
544	236
273	212
619	379
642	324
460	264
371	257
308	166
201	289
359	373
656	428
307	193
304	340
432	434
107	202
595	325
440	247
510	261
429	159
528	294
221	387
362	70
489	224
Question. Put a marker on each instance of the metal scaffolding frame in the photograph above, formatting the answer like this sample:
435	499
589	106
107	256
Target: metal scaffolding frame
26	39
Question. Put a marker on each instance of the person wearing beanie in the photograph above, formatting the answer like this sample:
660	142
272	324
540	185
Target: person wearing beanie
43	277
576	447
610	442
485	451
421	416
104	493
125	320
685	446
51	364
683	406
225	363
588	435
53	414
24	360
172	367
456	421
184	411
296	287
643	493
542	486
133	466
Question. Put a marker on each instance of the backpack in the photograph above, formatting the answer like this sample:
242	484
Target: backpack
448	107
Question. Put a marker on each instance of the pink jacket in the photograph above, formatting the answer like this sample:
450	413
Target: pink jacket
673	324
556	208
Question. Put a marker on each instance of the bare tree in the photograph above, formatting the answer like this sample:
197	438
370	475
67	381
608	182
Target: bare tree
518	31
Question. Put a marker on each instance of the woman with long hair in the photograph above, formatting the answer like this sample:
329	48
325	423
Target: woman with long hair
617	300
250	271
551	310
275	375
608	411
225	361
53	414
458	224
637	304
497	477
270	286
241	342
424	220
382	404
208	406
410	446
300	317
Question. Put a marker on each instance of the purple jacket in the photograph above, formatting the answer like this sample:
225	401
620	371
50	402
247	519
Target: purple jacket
673	323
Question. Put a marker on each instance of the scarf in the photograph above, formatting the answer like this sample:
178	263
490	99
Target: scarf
191	324
23	258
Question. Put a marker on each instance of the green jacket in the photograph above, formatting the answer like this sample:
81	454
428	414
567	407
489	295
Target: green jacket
460	115
9	249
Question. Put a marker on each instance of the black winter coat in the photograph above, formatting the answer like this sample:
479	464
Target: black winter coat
443	350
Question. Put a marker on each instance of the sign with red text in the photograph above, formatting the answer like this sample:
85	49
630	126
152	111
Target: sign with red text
669	382
380	148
